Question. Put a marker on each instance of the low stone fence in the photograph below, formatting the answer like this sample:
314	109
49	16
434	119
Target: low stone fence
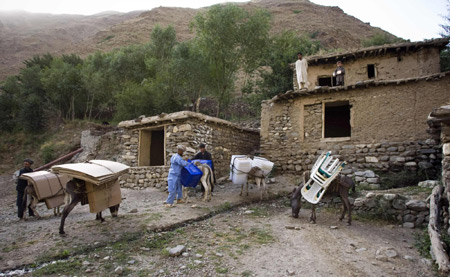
390	206
144	177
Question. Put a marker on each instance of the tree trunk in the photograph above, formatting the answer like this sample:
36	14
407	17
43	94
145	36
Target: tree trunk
437	250
197	104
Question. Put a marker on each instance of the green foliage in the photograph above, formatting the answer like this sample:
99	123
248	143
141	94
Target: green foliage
282	51
445	60
159	76
423	243
48	153
231	38
401	179
380	39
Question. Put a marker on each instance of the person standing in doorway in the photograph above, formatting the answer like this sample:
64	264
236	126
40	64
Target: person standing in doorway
339	74
301	69
21	185
174	183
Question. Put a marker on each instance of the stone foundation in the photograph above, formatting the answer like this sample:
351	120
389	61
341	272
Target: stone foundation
390	206
144	177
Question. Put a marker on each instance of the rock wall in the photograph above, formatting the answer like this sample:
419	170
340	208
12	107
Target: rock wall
144	177
388	128
409	212
221	141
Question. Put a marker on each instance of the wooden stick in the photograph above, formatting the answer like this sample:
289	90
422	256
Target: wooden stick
437	249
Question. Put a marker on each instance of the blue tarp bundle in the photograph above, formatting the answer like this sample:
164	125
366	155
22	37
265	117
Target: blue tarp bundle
190	175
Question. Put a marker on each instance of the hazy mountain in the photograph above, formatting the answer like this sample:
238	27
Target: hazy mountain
23	35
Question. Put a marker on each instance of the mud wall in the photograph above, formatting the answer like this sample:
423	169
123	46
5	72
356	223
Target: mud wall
387	67
388	127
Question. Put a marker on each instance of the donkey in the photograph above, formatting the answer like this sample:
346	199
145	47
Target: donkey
258	174
75	193
30	191
341	185
206	180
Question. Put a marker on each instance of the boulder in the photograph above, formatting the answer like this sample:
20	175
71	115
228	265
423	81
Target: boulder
428	184
416	205
371	159
369	174
176	251
389	196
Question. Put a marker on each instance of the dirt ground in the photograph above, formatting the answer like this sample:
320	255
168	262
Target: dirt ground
229	236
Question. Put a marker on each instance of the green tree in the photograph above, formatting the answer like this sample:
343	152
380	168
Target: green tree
277	76
64	87
189	68
9	104
42	61
445	54
231	38
100	87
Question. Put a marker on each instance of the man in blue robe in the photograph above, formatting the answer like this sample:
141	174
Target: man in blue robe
176	165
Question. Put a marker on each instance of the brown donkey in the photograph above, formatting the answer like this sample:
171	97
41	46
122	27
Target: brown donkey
340	186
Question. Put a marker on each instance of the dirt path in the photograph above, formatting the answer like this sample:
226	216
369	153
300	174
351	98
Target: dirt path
250	240
24	242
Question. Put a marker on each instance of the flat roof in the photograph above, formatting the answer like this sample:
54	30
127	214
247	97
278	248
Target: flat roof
375	51
291	94
164	118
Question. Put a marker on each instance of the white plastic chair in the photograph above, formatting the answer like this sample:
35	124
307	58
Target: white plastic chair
323	173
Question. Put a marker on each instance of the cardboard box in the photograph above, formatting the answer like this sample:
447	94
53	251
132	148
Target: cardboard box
54	201
47	184
103	196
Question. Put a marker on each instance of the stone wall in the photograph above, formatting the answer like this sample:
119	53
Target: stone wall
221	141
388	67
388	128
410	211
144	177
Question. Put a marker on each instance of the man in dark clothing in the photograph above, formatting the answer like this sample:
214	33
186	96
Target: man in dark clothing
21	185
339	74
205	155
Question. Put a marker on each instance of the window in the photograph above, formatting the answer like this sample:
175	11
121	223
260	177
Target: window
371	71
151	147
337	120
325	81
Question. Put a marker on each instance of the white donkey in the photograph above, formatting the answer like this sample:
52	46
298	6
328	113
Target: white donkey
206	180
259	176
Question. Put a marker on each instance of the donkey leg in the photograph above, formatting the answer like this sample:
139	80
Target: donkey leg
33	204
205	186
99	216
347	206
258	183
66	211
242	189
265	188
312	219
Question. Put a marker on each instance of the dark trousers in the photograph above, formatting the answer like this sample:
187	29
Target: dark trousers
21	205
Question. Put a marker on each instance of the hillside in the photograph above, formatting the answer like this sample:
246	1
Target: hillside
23	35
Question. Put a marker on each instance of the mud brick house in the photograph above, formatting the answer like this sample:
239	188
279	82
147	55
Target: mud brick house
149	142
377	122
386	62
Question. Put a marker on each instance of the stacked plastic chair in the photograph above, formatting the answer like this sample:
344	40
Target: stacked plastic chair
324	171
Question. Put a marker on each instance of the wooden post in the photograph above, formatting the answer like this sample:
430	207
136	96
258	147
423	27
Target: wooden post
437	250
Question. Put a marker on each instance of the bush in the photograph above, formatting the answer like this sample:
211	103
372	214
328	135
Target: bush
48	153
401	179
